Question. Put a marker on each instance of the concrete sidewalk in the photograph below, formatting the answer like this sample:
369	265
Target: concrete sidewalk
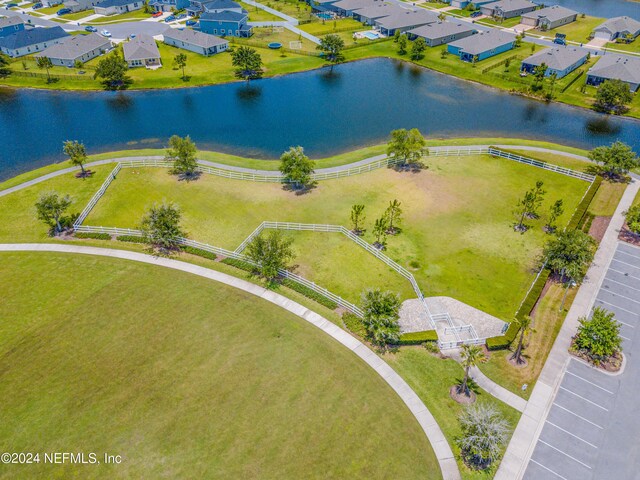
524	439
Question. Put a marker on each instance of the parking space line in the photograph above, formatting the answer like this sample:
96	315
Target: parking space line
611	269
548	469
628	254
624	338
625	263
573	435
583	398
590	383
622	296
565	454
579	416
619	308
620	283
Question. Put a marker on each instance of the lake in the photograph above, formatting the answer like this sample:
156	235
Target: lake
357	105
600	8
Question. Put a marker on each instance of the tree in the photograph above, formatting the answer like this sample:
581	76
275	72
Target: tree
471	356
180	61
633	218
525	328
272	252
332	46
407	147
357	218
528	205
507	64
613	96
616	160
380	228
161	226
484	433
569	254
50	208
112	70
77	154
538	197
248	63
396	35
539	72
555	211
45	63
296	167
394	216
417	48
381	313
598	337
182	152
402	44
4	65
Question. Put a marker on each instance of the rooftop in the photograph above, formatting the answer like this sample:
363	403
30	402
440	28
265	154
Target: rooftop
620	24
140	48
510	5
220	4
24	38
200	39
10	21
225	16
441	29
379	10
114	3
553	13
408	18
557	58
357	4
75	46
621	67
477	44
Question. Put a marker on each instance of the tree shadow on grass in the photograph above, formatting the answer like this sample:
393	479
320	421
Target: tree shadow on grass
290	187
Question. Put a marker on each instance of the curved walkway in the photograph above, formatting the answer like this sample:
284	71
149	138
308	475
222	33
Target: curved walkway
274	173
430	427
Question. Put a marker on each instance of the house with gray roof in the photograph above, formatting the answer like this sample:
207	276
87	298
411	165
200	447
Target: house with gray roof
76	48
483	45
508	8
28	42
80	5
194	41
549	18
116	7
369	15
617	27
142	51
10	25
616	67
404	20
348	7
560	60
439	33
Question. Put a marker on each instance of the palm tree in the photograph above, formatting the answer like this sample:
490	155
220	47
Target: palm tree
525	329
471	355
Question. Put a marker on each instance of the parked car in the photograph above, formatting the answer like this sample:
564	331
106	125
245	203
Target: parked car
91	29
475	14
191	23
105	33
63	11
181	16
11	5
170	18
36	6
157	14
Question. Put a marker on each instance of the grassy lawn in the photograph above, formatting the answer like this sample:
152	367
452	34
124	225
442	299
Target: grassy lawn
294	8
78	15
329	26
262	36
49	10
123	17
258	15
152	366
506	23
431	378
579	30
457	218
627	47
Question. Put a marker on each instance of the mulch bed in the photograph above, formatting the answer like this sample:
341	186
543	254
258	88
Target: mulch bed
612	364
599	227
461	397
628	236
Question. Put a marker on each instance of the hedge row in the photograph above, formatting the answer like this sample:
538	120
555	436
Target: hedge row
354	324
418	338
503	341
583	206
312	294
199	252
96	236
246	266
131	238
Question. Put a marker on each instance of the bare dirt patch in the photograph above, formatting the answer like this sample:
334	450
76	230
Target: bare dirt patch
599	227
461	397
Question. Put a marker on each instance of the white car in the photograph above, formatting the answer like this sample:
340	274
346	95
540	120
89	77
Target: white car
105	33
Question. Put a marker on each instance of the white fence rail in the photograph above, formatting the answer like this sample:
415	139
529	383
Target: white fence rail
96	196
544	165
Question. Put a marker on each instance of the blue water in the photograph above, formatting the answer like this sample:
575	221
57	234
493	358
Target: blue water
357	105
600	8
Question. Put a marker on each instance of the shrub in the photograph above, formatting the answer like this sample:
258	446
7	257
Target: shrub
503	341
354	324
633	218
582	207
417	338
95	236
131	239
598	337
309	293
199	252
242	265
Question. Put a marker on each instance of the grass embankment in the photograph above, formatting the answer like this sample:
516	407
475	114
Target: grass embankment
98	357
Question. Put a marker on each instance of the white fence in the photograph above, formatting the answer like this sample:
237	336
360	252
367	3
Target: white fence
83	215
544	165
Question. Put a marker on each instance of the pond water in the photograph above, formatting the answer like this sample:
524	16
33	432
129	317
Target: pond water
600	8
327	113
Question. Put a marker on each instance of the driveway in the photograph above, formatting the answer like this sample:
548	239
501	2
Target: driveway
593	427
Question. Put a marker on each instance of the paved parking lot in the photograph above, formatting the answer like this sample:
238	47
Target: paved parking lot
593	428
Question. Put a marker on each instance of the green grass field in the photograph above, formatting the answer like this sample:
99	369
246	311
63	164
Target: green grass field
95	357
579	30
457	225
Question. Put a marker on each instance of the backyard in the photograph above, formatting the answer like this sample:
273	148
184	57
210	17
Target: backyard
127	332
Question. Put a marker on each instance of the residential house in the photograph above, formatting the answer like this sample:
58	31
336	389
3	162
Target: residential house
439	33
34	40
346	8
116	7
483	45
508	8
461	4
405	20
616	67
168	5
142	51
549	18
76	48
10	25
369	15
560	60
618	27
226	24
80	5
196	7
51	3
194	41
322	5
